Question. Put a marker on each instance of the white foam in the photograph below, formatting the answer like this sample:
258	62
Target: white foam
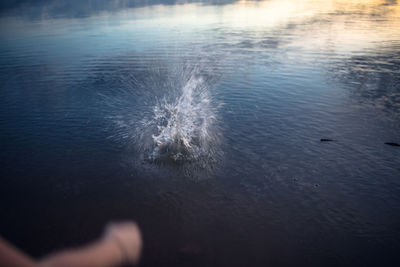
184	124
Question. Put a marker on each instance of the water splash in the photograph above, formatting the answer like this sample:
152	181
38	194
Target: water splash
184	126
168	115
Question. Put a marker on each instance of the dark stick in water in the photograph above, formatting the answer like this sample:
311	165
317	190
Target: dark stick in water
392	144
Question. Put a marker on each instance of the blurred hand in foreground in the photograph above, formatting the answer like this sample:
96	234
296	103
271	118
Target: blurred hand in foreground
121	244
128	238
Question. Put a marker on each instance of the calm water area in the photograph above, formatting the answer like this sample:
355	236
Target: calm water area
202	122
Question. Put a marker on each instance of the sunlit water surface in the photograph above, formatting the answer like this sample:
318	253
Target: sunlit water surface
202	121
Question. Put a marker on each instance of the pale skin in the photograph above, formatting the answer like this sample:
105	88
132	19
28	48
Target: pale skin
121	244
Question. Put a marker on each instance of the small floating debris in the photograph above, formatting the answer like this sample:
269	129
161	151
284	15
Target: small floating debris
392	144
326	140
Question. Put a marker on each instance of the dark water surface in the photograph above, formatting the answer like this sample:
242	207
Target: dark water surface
202	121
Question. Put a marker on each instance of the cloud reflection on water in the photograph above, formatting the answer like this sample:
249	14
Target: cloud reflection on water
345	34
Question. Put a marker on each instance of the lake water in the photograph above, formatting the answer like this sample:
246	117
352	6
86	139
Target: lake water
202	121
